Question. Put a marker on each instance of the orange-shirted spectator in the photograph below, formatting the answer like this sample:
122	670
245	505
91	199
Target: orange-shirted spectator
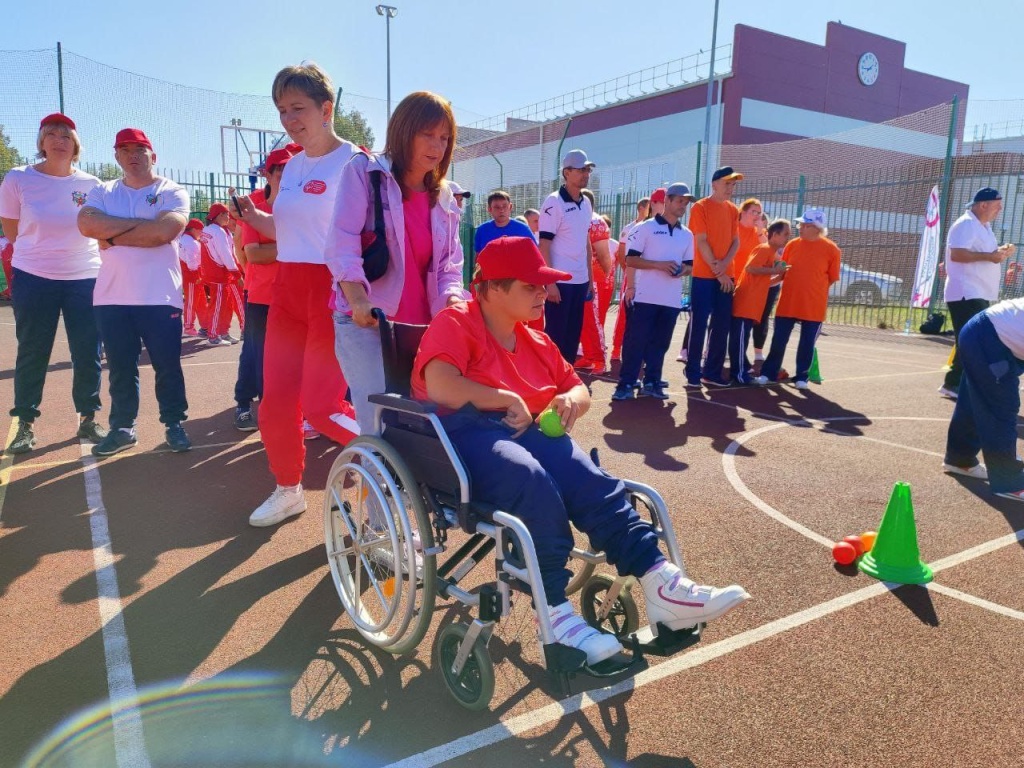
813	262
762	271
714	222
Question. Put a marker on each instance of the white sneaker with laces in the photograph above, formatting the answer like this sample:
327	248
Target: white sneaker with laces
761	381
570	629
947	393
283	503
978	471
801	384
678	603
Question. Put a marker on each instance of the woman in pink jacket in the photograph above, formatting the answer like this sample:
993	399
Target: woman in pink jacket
421	218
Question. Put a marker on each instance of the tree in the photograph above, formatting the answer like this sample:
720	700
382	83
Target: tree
107	172
353	126
9	155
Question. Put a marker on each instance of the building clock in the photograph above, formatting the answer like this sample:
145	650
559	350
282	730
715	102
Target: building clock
867	68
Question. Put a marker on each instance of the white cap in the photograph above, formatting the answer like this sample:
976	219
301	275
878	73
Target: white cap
457	190
576	158
814	216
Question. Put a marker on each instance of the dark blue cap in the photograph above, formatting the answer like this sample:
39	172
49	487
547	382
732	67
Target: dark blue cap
726	172
985	194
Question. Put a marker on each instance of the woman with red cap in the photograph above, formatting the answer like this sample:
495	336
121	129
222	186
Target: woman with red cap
194	294
301	374
54	273
220	273
421	225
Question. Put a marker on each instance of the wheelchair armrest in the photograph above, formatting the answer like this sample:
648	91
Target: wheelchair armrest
399	403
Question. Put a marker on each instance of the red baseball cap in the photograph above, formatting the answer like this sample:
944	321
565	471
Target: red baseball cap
658	195
132	136
194	224
518	258
293	148
58	119
277	157
216	210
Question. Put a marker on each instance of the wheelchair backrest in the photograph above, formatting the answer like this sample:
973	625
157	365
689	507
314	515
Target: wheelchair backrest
399	343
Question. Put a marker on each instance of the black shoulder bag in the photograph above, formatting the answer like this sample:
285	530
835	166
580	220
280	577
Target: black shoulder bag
375	245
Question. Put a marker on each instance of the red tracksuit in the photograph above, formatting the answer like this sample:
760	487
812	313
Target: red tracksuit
225	297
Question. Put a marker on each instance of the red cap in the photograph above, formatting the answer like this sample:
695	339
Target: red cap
132	136
194	224
516	257
293	148
277	157
216	210
58	119
658	195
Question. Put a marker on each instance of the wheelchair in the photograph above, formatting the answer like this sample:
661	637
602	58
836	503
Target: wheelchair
390	503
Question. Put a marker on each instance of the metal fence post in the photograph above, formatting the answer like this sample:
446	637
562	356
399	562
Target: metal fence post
696	180
800	192
212	182
945	204
60	76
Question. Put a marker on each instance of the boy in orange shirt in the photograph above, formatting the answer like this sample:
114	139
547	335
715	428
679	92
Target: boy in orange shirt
760	273
813	266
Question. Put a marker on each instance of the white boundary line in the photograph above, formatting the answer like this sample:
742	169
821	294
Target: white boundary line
126	719
956	594
6	465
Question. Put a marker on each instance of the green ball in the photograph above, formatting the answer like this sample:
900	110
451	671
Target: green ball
551	423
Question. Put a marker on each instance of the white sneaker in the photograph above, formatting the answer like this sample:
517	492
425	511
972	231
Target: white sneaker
761	381
570	629
682	356
978	471
947	393
283	503
801	384
678	603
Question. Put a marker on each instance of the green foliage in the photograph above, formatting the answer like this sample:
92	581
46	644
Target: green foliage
353	126
106	171
9	156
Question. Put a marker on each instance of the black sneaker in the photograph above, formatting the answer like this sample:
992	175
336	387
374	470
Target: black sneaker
117	440
177	439
623	392
24	440
89	430
245	419
202	333
653	389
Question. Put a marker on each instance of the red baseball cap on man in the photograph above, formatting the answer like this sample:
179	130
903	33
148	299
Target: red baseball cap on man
58	119
275	158
518	258
216	210
132	136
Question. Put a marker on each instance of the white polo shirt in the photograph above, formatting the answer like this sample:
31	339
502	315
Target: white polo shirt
655	240
976	279
134	275
1008	319
566	223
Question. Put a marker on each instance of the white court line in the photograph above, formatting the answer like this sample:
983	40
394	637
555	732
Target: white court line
979	602
126	720
6	463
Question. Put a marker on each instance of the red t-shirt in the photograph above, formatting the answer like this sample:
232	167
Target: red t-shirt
752	290
813	267
536	370
719	222
414	306
599	232
259	278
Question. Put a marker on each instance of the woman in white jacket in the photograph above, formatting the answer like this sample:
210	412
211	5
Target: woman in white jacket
421	218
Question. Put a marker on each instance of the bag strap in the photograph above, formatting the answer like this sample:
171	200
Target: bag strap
378	204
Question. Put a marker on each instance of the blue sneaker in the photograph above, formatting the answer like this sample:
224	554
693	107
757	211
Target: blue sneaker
117	440
623	392
712	382
653	389
177	439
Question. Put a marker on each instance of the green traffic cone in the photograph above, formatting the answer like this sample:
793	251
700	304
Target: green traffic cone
815	373
895	556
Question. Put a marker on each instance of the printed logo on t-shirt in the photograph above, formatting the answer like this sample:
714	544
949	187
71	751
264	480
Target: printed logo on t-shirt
78	198
315	187
152	199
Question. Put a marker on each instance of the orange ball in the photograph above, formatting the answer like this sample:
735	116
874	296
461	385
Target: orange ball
868	539
856	543
843	552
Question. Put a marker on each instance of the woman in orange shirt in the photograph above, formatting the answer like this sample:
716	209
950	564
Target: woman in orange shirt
813	262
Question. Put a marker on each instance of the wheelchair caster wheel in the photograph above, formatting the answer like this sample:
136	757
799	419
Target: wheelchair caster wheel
623	618
473	686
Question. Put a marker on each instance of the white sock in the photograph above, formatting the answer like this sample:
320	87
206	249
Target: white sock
128	430
759	355
291	488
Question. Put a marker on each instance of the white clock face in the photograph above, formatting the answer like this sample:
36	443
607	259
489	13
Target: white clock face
867	69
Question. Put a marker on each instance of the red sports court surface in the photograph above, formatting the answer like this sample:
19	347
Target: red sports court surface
135	585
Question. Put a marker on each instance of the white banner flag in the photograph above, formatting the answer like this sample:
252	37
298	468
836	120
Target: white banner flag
928	256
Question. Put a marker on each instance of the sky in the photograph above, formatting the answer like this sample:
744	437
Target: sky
492	57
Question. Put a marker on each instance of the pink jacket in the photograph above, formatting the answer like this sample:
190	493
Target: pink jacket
353	215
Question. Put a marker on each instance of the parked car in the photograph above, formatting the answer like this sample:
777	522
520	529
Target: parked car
858	286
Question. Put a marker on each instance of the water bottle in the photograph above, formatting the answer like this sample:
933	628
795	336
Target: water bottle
906	327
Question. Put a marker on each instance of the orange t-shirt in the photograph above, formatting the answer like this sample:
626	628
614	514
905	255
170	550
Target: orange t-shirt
750	238
813	267
752	290
536	370
719	222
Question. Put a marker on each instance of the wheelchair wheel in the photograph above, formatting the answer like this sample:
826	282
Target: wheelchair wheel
581	569
473	687
376	531
623	618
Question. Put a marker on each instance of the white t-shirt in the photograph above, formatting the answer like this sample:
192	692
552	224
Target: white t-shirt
220	245
566	224
655	240
49	244
133	275
1008	319
188	251
976	279
304	207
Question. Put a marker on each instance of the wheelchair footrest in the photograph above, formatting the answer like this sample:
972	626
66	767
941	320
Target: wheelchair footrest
667	642
563	660
613	667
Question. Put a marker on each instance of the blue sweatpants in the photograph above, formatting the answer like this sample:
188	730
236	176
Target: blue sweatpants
709	306
563	320
985	415
809	331
548	482
739	340
249	385
646	340
123	330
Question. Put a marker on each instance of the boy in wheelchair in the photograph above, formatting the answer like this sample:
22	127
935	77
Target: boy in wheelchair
491	376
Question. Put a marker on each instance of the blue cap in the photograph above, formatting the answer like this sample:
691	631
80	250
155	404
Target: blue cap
678	189
985	194
577	158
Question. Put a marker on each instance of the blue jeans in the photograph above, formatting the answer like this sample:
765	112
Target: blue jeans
124	329
809	331
646	340
249	385
38	305
546	482
563	321
709	305
985	415
362	363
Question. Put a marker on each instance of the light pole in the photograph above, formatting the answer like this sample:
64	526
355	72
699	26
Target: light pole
388	12
707	108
